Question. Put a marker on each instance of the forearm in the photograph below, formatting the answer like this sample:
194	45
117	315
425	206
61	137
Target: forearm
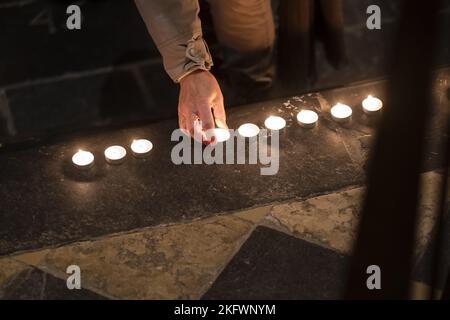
176	30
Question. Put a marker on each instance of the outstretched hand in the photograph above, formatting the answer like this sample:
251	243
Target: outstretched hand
201	99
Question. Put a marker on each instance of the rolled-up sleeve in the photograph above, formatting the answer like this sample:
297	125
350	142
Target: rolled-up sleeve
176	30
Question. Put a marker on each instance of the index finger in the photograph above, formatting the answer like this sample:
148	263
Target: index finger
219	114
206	116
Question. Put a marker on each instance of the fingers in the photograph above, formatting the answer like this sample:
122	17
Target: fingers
219	114
188	122
200	106
194	128
200	126
207	122
183	118
182	122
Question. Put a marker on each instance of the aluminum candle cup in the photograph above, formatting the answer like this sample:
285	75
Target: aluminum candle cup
307	118
83	159
275	123
248	130
221	134
141	148
372	105
115	154
341	112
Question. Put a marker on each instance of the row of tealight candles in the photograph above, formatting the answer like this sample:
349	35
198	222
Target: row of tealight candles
114	154
305	118
308	118
341	112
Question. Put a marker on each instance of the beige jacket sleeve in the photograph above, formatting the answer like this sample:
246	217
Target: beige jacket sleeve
176	30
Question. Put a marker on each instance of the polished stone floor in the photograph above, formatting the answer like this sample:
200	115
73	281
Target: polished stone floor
293	250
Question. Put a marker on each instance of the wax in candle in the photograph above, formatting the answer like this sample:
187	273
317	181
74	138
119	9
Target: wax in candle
141	147
372	105
83	159
248	130
115	154
307	118
341	112
275	123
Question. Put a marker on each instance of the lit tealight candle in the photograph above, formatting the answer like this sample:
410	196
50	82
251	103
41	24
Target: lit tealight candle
141	147
115	154
372	105
341	112
307	118
220	134
83	159
275	123
248	130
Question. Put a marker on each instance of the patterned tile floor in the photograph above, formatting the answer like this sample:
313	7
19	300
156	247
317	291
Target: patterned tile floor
293	250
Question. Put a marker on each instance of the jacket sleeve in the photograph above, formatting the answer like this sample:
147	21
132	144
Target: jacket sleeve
176	30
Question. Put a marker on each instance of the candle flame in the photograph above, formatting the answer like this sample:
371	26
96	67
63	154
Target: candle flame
372	104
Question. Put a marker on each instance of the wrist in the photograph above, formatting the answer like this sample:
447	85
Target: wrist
192	74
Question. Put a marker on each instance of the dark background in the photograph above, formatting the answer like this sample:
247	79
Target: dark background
109	73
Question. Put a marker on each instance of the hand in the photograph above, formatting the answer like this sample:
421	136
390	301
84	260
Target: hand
201	99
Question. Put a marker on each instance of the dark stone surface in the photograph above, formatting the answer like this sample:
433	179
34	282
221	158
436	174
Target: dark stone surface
76	103
41	189
45	201
368	54
162	91
273	265
34	284
37	44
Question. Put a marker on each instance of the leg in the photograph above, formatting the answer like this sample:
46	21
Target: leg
246	32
